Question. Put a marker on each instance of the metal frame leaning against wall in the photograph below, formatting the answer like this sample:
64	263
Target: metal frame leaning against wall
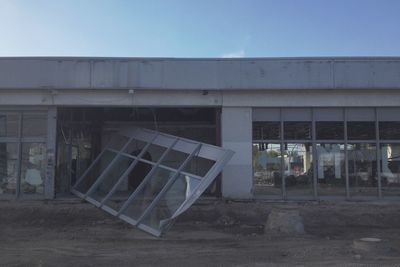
259	113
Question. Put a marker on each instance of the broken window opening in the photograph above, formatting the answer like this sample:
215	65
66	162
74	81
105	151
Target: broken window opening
148	178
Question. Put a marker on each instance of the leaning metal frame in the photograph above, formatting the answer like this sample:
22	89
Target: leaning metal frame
190	147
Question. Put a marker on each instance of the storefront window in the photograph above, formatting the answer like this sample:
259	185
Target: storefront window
8	168
346	152
330	130
362	170
266	130
390	170
267	168
297	130
34	124
361	130
23	153
298	170
389	130
9	124
331	177
33	168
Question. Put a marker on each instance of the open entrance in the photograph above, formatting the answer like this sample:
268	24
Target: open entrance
82	133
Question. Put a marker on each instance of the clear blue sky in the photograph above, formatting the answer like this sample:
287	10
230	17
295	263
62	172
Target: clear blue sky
200	28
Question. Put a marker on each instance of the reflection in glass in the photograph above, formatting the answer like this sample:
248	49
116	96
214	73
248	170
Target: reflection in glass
110	177
267	168
298	169
362	169
330	130
331	175
147	194
297	130
389	130
94	172
174	197
266	130
8	168
33	168
390	170
361	130
9	124
34	124
129	184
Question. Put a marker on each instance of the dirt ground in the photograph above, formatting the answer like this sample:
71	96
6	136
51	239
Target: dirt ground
211	233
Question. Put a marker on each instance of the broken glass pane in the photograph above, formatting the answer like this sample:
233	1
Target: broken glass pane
162	214
94	171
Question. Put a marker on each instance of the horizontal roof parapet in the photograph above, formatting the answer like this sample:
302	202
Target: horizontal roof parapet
200	74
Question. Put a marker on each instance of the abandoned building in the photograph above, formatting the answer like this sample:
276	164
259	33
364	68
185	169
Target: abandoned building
278	128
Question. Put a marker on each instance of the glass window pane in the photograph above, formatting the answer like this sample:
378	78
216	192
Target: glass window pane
9	124
266	130
331	175
330	130
298	170
145	196
8	168
161	214
297	130
117	141
361	130
135	147
154	153
389	130
111	177
129	184
362	170
390	170
33	168
34	124
95	170
199	166
267	169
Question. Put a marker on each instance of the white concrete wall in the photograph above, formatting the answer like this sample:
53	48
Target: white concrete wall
236	127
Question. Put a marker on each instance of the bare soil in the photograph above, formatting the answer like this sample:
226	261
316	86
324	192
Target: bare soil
211	233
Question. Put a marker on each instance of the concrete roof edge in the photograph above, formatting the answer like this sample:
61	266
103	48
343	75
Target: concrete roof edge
324	58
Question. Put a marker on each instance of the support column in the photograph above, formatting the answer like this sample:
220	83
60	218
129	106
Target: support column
49	184
237	176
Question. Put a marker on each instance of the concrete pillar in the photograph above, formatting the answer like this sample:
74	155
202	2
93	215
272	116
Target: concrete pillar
236	128
51	153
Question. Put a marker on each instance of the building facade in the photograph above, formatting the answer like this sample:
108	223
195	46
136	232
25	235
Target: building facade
301	128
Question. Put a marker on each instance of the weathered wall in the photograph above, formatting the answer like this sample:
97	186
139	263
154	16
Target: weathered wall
200	74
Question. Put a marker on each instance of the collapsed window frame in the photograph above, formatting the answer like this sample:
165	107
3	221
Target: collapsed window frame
170	144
